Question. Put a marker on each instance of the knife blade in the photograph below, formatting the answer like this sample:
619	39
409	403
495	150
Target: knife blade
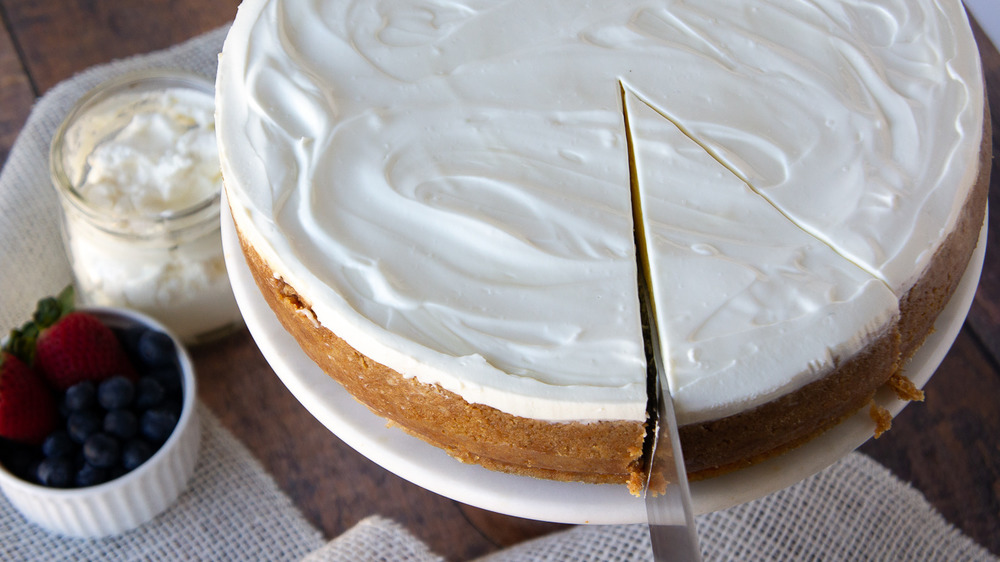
672	530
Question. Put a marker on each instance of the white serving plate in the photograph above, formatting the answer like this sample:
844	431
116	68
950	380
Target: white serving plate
431	468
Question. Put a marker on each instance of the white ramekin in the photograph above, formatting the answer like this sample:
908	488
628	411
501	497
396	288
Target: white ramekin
129	500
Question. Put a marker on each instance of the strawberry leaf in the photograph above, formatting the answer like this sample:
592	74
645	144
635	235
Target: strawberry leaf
22	342
51	309
48	311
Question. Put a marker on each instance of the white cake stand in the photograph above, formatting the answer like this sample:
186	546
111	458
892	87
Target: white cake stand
432	469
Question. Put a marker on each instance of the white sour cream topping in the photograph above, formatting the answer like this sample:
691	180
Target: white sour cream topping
736	284
163	158
447	183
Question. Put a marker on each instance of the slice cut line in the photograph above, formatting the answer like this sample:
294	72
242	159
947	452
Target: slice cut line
723	162
738	289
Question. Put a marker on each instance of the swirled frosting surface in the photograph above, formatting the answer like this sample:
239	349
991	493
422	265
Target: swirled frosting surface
447	182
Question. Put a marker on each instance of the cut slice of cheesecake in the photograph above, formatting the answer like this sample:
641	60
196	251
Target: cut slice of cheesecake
741	293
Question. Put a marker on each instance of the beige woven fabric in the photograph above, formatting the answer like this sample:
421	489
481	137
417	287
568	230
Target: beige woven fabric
855	510
375	539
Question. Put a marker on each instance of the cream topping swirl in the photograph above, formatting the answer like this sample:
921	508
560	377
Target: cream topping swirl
446	182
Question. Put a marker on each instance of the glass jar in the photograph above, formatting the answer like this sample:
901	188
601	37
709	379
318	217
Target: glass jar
136	168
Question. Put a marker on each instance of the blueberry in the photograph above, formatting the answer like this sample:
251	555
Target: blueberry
81	396
136	452
148	393
59	444
102	450
29	471
169	378
129	337
156	349
90	475
115	393
56	472
82	425
121	423
157	424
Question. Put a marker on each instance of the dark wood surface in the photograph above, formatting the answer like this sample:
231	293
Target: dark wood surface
947	447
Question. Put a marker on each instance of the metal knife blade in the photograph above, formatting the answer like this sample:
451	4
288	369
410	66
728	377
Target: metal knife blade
668	499
672	528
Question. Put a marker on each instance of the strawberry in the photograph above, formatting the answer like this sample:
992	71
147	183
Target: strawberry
27	407
78	347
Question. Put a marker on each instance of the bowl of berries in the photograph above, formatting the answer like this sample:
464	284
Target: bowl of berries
98	426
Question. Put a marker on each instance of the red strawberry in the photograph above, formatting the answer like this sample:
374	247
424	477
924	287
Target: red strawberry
27	407
79	347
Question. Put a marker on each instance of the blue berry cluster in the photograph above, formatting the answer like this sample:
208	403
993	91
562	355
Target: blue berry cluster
111	427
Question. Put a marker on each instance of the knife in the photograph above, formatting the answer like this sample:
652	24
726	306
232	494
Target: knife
668	499
672	529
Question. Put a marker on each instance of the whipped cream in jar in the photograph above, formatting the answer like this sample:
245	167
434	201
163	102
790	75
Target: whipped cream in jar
136	167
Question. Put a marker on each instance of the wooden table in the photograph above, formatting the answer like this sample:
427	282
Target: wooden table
948	447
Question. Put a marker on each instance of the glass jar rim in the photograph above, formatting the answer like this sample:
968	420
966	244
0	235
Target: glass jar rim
150	80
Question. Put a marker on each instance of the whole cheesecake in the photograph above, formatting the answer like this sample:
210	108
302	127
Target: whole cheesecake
437	200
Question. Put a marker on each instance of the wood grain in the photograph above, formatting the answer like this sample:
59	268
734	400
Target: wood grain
16	94
984	317
946	447
59	38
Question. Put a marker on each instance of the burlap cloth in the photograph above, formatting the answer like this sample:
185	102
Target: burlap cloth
854	510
